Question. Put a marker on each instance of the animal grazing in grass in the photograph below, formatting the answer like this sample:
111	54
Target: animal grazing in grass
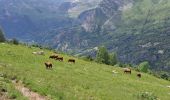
38	53
72	60
114	72
48	65
139	75
168	86
59	58
54	56
127	70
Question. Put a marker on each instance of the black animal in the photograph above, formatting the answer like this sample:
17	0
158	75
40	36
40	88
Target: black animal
139	75
72	61
59	58
54	56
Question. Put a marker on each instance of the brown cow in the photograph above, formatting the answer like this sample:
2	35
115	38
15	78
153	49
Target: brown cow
59	58
54	56
127	70
48	65
139	75
72	60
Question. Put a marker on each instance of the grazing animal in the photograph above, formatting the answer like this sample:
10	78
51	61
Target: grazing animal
54	56
38	53
59	58
48	65
72	60
168	86
114	72
34	53
127	70
139	75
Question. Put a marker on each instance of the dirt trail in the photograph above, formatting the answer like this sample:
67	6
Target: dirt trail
28	93
3	97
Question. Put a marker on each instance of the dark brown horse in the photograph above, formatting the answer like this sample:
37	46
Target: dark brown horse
54	56
127	70
139	75
59	58
72	61
48	65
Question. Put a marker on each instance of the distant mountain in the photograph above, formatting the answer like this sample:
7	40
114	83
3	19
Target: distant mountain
137	30
26	18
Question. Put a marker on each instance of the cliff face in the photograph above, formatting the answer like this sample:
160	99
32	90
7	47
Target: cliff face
92	27
106	16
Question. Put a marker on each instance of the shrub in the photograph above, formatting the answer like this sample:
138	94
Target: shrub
2	38
113	59
164	75
102	56
87	58
144	67
14	41
12	96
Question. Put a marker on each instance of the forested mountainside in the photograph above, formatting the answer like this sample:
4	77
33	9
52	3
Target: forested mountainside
137	30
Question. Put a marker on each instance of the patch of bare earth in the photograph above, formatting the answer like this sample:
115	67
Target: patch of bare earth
27	92
3	97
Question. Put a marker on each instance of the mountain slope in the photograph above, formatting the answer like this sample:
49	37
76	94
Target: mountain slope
83	80
144	34
26	20
138	30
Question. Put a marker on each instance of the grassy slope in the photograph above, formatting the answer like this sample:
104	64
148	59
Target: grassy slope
82	81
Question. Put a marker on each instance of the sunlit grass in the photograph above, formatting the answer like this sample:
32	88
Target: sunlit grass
80	81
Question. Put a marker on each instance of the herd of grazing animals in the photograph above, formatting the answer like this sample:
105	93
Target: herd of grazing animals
58	58
129	71
49	65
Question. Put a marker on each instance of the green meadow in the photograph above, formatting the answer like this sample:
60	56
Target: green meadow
80	81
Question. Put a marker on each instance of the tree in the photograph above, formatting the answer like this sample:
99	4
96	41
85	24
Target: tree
144	67
113	59
2	38
15	41
102	55
89	58
164	75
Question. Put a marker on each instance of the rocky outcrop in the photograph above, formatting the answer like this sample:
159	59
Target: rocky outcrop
91	20
105	16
